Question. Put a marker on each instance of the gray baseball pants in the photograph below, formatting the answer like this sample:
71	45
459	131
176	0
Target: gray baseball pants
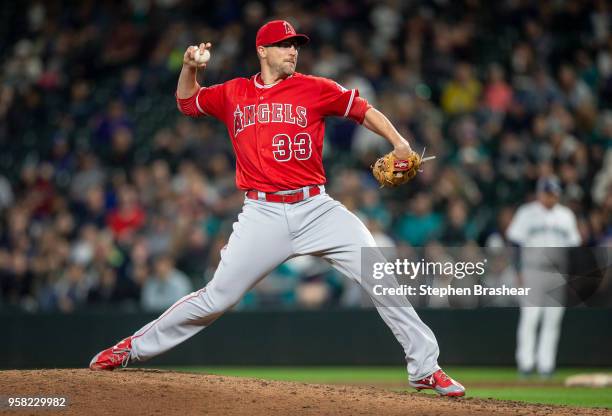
265	235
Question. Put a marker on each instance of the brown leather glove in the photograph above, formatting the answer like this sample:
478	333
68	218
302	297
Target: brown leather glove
390	171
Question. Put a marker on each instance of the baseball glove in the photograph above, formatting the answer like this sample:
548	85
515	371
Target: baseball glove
390	171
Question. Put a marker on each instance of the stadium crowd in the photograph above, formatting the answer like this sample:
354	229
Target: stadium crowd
110	197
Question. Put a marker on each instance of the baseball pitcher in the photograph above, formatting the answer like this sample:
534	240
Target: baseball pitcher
276	120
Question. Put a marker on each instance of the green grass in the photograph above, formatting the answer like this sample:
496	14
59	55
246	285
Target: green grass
574	396
483	382
310	374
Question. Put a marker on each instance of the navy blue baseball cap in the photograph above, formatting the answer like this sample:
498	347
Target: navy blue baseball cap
549	184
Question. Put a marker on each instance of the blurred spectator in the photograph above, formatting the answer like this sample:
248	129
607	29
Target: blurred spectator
93	209
7	197
421	224
456	231
25	66
105	291
462	93
193	254
166	286
114	119
120	156
131	85
497	94
16	280
128	217
89	174
72	288
575	92
372	208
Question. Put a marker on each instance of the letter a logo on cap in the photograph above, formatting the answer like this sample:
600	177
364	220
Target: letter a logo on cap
277	31
288	29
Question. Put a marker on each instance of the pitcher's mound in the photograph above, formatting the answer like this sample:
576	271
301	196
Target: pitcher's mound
150	392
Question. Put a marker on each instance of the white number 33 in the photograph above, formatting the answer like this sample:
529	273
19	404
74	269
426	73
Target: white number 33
286	148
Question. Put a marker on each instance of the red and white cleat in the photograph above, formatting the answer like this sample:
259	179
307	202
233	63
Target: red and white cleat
116	356
441	383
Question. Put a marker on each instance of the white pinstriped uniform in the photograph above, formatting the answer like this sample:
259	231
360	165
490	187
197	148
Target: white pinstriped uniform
534	226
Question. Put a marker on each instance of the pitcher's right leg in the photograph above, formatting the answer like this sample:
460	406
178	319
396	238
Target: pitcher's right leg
260	241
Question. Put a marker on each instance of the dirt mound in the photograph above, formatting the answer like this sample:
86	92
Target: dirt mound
151	392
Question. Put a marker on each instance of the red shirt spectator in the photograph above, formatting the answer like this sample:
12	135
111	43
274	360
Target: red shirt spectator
498	94
128	217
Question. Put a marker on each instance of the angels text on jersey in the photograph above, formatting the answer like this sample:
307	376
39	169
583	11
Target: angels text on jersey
249	115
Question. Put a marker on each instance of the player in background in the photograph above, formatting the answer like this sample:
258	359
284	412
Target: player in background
542	230
275	120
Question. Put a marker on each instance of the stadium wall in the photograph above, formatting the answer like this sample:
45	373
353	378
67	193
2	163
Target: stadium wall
331	337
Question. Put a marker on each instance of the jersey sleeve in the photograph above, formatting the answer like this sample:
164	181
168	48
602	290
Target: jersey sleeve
335	100
517	230
208	101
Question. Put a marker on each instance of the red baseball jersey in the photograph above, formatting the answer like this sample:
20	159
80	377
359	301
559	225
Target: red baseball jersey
276	130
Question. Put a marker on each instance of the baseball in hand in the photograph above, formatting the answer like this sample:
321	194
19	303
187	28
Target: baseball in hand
201	57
